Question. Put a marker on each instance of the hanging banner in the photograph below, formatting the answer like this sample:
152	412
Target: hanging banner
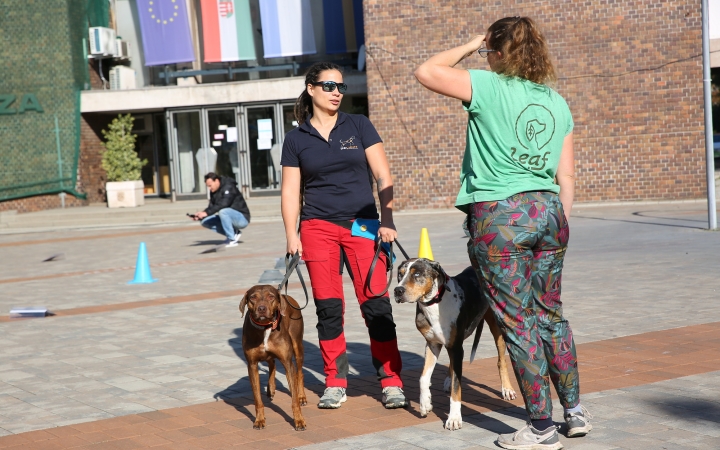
344	27
287	28
165	32
227	30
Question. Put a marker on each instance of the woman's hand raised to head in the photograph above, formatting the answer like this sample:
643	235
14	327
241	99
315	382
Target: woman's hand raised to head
474	45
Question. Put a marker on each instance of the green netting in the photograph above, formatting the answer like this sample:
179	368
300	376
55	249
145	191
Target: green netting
43	70
98	12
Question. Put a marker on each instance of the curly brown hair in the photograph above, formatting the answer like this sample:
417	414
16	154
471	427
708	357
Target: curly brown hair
524	52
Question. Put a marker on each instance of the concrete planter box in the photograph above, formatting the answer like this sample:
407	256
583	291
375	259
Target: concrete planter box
125	194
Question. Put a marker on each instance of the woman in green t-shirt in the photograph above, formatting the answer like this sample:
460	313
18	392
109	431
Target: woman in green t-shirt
517	183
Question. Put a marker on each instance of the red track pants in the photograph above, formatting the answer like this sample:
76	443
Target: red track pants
321	241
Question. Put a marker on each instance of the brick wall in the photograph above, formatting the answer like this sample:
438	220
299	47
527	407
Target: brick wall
92	176
638	136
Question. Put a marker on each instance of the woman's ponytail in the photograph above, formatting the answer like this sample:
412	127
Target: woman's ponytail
303	107
523	50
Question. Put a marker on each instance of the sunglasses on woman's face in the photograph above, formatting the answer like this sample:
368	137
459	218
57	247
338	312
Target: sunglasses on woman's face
329	86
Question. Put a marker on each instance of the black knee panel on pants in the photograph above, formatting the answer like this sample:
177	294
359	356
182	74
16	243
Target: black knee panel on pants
379	319
330	318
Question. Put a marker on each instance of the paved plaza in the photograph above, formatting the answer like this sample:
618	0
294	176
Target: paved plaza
160	365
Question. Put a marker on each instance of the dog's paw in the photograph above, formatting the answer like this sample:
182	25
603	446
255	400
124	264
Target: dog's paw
300	424
446	385
270	393
453	423
303	400
259	424
508	393
425	405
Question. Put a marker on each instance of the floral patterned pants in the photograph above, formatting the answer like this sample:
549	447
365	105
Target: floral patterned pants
517	247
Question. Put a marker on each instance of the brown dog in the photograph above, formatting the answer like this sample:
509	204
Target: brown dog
273	329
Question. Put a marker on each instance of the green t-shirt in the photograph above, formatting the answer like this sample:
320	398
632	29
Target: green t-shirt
515	135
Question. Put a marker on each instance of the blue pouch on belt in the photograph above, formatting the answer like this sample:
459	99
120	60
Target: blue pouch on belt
368	229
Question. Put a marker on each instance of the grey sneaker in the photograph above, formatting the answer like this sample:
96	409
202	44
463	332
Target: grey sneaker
332	398
528	438
393	397
230	243
238	234
578	423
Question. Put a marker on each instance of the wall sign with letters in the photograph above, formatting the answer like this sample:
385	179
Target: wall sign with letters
28	102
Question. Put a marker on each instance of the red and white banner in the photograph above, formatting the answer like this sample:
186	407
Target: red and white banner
227	30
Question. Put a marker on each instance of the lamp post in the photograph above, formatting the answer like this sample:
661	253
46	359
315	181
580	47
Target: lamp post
709	157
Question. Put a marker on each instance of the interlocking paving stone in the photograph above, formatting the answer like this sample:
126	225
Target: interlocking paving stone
621	279
628	431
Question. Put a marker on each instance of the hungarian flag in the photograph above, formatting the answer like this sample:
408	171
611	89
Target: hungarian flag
165	32
227	30
287	28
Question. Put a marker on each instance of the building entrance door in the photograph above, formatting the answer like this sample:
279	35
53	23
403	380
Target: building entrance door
263	148
242	142
187	139
223	133
201	141
151	145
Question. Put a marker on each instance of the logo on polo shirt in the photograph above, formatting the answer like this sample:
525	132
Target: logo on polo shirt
348	144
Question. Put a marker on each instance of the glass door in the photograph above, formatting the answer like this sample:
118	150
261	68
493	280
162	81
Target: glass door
187	140
151	145
223	131
162	182
264	148
289	122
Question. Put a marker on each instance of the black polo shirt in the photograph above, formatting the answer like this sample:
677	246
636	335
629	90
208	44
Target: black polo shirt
338	180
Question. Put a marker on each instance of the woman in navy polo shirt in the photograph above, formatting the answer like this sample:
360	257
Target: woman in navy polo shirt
335	157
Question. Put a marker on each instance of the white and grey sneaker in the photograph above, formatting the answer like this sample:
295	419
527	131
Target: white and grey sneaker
230	243
578	423
332	398
528	438
393	397
238	234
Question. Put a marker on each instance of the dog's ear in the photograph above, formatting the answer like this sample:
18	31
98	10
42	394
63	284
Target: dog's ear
283	303
437	267
243	303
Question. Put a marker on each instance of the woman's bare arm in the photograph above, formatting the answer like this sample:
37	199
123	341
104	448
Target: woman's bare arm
290	206
381	172
566	175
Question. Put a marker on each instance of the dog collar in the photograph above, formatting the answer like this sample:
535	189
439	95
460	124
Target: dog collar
441	291
264	326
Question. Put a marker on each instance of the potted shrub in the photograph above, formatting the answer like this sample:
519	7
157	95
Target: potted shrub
124	188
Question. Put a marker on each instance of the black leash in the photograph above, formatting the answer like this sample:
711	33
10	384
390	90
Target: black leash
379	243
291	263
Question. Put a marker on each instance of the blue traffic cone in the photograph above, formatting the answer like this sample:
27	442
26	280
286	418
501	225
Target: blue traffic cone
142	267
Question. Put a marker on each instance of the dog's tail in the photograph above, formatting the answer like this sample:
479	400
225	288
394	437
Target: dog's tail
478	332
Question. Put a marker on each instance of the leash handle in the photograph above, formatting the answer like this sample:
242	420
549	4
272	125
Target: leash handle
390	269
291	263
